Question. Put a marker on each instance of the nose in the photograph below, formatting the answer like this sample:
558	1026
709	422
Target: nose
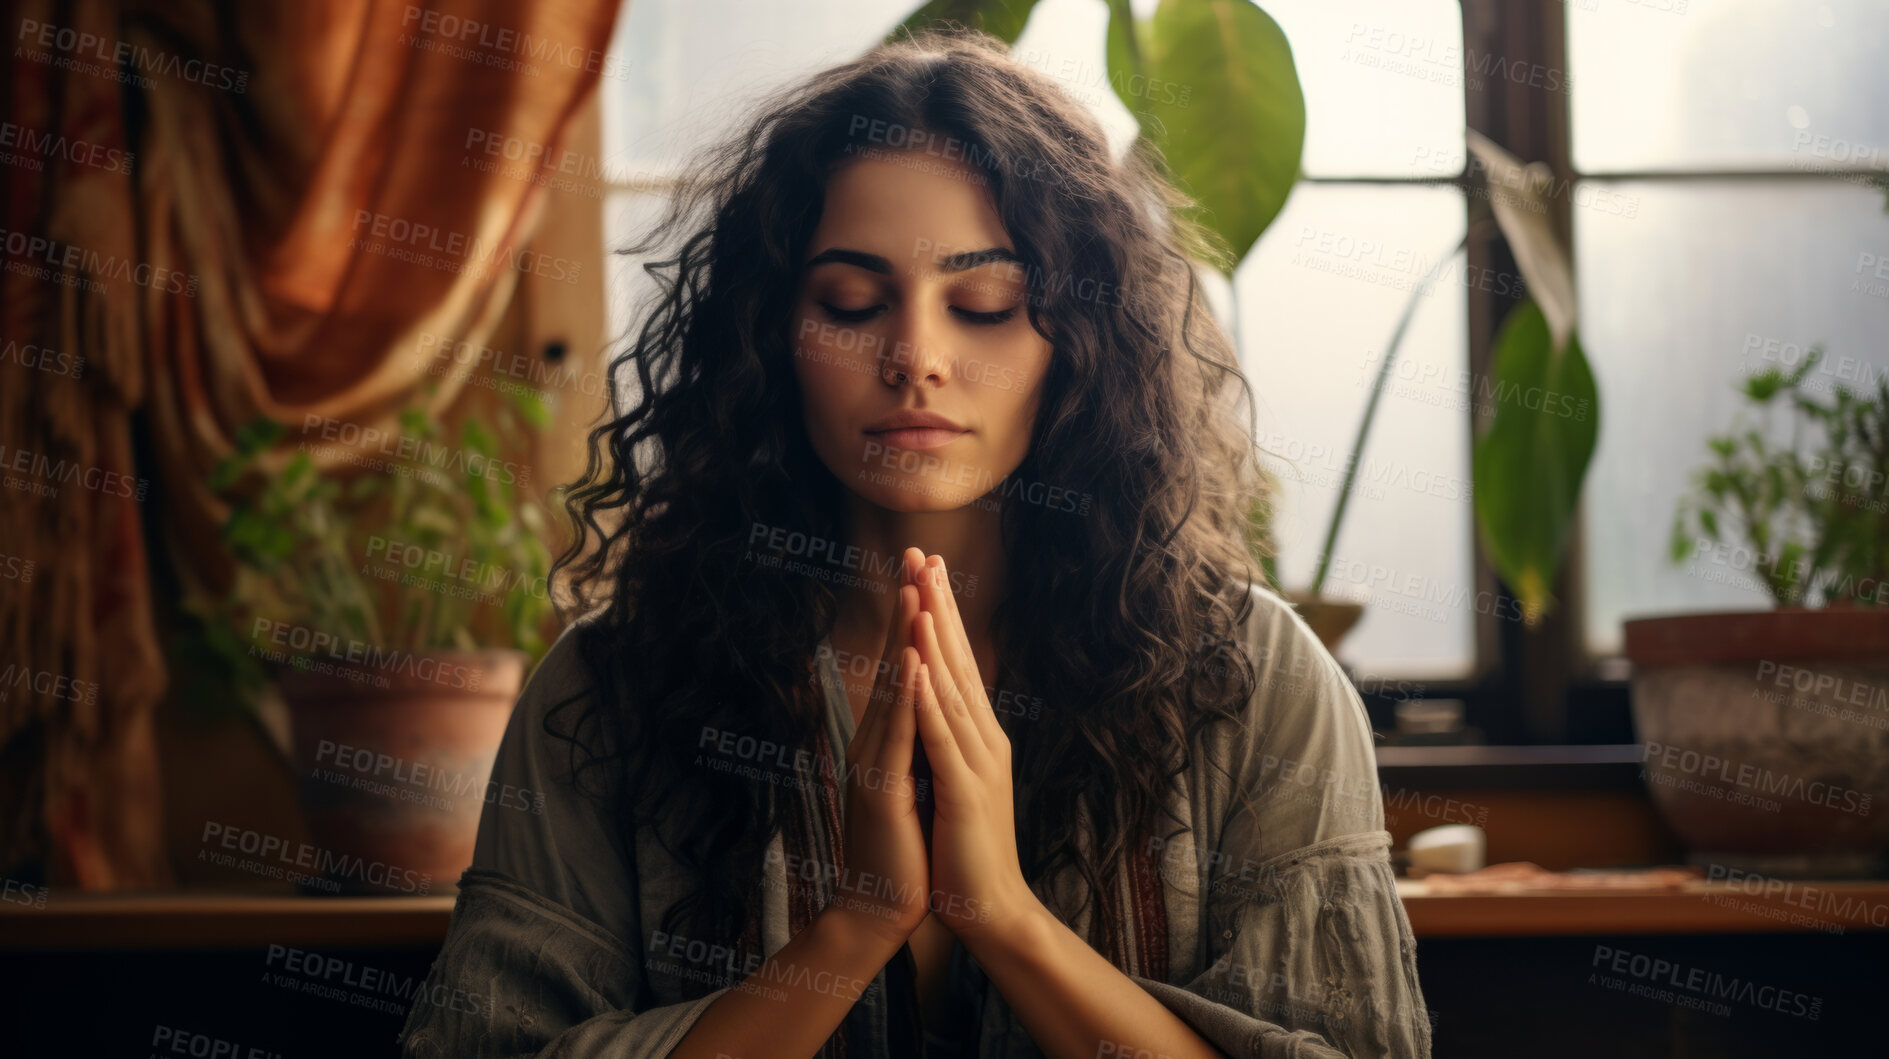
916	349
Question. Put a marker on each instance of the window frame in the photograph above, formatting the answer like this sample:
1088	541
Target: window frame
1526	685
1542	685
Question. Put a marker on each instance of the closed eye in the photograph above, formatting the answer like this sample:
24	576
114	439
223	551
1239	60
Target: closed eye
985	319
851	316
971	316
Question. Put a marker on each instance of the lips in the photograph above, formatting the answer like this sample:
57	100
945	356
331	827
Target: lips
911	428
917	437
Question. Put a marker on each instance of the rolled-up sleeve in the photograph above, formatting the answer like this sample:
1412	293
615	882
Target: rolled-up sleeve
1321	964
538	958
519	976
1310	953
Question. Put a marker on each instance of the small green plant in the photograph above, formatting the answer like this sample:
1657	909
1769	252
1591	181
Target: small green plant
1812	517
1259	536
434	547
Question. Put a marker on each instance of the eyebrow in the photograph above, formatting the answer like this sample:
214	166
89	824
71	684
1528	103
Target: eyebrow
959	262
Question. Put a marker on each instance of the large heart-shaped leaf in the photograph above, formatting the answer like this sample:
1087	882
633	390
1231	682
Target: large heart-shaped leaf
999	18
1528	466
1213	85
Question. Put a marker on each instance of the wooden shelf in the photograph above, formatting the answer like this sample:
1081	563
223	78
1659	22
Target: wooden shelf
1697	908
1609	767
225	921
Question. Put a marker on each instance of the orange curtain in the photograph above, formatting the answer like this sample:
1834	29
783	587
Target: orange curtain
217	211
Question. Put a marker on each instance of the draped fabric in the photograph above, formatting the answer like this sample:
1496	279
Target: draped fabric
216	211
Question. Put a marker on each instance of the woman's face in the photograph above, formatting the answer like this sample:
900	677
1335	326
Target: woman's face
912	304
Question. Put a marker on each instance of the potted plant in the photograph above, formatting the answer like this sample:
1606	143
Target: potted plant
1766	733
396	609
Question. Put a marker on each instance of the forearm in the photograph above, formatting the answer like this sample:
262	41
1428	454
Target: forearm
795	1000
1075	1004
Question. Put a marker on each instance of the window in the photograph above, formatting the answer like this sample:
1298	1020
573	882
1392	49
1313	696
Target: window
1744	137
693	69
1318	299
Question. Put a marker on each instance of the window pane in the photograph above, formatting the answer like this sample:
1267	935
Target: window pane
1709	281
1383	82
627	218
1319	298
697	67
1382	79
1769	84
694	67
1067	40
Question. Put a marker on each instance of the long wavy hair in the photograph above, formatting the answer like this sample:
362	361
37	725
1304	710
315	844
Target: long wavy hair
1122	619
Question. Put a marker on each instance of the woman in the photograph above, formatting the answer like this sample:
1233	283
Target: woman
918	303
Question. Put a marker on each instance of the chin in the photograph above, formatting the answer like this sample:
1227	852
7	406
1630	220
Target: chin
912	493
908	493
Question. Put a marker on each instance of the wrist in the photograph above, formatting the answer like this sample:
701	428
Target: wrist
860	930
1020	924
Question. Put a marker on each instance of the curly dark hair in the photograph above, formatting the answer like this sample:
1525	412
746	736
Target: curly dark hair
1125	619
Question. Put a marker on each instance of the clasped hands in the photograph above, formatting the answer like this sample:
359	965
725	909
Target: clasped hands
929	691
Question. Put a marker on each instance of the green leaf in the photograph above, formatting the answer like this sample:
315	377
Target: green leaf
1528	466
1124	41
251	440
298	476
225	473
415	423
1804	367
434	520
363	488
475	437
1764	385
1785	572
1213	85
532	406
258	435
1000	18
1679	545
485	493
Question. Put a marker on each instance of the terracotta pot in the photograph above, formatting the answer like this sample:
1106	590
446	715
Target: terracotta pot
1330	618
1765	736
393	758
